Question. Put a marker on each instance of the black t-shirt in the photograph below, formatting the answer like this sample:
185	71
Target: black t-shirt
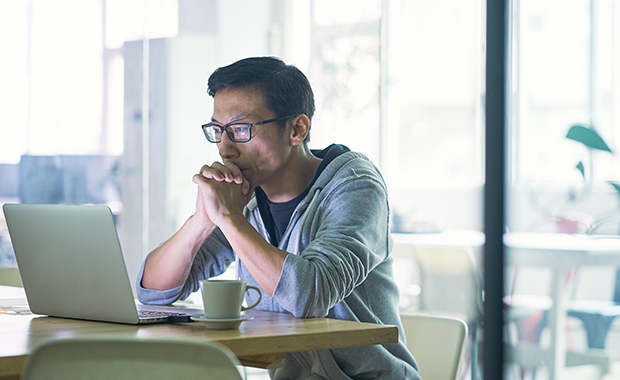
276	216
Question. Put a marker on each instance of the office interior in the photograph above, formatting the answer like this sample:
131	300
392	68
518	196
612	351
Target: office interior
103	102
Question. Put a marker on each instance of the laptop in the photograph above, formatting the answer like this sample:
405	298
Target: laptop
72	266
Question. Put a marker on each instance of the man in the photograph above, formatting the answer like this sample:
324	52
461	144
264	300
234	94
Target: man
310	228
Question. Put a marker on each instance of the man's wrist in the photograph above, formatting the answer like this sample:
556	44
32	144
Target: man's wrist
228	221
200	227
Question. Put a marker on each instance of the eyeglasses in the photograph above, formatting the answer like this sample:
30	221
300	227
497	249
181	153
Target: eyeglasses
237	132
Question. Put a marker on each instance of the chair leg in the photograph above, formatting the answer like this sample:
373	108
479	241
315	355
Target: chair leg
597	327
474	351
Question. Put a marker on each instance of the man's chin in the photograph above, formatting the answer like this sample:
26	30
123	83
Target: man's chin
253	183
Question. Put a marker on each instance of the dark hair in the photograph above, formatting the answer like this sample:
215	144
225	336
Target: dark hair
285	88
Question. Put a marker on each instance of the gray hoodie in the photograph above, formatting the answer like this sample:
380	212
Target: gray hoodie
338	267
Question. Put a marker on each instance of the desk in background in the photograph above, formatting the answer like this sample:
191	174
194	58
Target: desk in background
261	342
560	253
447	238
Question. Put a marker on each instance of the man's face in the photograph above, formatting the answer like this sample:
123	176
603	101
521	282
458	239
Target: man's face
262	158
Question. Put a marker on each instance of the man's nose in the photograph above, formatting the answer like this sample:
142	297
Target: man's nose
227	148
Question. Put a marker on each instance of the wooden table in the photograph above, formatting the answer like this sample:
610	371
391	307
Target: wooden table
261	342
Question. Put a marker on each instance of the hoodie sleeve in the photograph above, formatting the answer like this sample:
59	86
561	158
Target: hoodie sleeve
212	259
350	232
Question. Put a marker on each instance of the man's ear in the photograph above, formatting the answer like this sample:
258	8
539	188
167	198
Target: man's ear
301	127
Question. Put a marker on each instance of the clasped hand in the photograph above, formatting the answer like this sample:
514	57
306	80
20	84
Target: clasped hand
222	191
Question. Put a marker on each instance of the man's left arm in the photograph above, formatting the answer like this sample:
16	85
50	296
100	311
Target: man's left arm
351	240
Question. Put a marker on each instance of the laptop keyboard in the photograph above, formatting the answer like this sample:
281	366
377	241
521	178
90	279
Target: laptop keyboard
153	313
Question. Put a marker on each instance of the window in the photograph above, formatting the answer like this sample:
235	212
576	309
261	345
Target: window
74	80
402	82
62	133
562	75
346	74
434	93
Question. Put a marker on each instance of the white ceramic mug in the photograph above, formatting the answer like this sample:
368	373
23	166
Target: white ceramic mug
223	299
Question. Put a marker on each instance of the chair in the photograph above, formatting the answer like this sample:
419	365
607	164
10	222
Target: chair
451	286
436	343
598	316
103	357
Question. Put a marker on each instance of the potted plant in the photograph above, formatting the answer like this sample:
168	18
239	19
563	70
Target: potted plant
588	137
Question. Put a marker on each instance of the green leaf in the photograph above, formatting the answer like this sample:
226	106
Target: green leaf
581	169
588	137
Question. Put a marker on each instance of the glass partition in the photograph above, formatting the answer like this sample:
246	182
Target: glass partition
562	243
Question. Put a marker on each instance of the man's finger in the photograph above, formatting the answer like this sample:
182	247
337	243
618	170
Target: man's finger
245	186
229	171
211	173
235	172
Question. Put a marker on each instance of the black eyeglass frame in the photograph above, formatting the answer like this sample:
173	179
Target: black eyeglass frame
249	125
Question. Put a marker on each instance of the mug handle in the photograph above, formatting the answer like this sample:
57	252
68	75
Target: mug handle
243	308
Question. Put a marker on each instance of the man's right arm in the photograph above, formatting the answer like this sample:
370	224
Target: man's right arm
168	265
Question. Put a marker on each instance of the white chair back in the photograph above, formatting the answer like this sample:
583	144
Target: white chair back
121	358
436	343
451	283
